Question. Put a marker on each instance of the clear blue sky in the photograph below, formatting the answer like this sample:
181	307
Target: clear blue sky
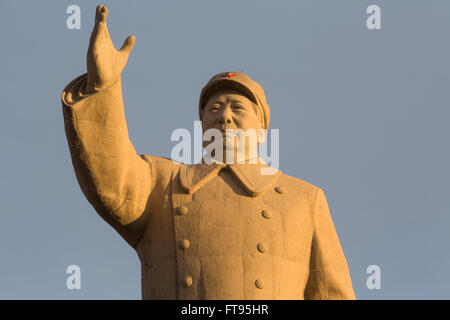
362	113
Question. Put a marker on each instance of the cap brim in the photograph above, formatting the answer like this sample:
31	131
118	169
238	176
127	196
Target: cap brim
226	85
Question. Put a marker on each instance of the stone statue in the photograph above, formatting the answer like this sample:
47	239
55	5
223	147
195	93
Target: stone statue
206	231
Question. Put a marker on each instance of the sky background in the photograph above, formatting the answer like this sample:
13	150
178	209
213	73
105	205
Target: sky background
362	113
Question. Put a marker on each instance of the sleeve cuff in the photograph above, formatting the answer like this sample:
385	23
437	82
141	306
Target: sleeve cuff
74	91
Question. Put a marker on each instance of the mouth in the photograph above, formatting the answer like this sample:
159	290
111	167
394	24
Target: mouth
228	134
228	131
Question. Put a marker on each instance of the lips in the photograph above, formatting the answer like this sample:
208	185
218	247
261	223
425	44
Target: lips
227	131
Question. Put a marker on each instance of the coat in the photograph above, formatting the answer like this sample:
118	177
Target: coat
203	231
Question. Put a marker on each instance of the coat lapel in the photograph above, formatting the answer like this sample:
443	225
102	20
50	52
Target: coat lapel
250	176
196	176
253	178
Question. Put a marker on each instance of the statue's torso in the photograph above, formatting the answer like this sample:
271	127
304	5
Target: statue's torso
232	245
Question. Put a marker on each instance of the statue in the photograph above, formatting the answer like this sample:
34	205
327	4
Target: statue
214	230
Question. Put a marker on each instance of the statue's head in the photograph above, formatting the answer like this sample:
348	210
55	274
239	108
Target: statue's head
234	104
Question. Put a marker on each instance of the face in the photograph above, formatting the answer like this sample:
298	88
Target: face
229	110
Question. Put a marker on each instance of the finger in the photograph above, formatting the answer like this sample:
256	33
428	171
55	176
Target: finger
98	27
103	14
128	44
97	13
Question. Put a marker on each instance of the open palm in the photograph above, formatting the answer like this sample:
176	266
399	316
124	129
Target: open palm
104	62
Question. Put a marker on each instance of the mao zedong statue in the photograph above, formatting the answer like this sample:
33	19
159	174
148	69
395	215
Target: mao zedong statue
219	229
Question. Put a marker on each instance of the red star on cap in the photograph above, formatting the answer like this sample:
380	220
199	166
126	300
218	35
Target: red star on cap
229	75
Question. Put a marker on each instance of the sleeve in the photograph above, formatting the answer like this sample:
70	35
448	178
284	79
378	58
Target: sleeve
115	180
329	278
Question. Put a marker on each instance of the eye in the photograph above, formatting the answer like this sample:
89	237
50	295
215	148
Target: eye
238	107
214	107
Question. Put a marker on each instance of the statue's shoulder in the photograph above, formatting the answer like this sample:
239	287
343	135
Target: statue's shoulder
163	168
159	160
297	186
162	164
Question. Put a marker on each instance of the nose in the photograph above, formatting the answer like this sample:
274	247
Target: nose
222	120
225	116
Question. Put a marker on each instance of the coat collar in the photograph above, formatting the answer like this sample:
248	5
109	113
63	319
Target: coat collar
253	177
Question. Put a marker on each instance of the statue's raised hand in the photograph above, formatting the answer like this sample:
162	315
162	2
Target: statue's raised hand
104	62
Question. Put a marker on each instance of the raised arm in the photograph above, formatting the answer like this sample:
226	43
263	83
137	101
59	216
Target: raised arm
114	179
329	278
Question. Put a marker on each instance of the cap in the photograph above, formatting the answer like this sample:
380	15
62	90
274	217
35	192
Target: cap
240	82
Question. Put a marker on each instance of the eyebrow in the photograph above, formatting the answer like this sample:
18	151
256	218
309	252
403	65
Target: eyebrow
220	102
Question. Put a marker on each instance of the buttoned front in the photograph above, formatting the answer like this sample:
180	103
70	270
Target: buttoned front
182	210
203	231
184	244
266	214
262	247
259	284
188	281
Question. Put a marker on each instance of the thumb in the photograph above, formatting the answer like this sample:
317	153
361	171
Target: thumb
128	44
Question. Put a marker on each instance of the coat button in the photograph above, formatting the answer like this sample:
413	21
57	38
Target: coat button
184	244
181	210
259	284
266	214
280	189
188	281
261	247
